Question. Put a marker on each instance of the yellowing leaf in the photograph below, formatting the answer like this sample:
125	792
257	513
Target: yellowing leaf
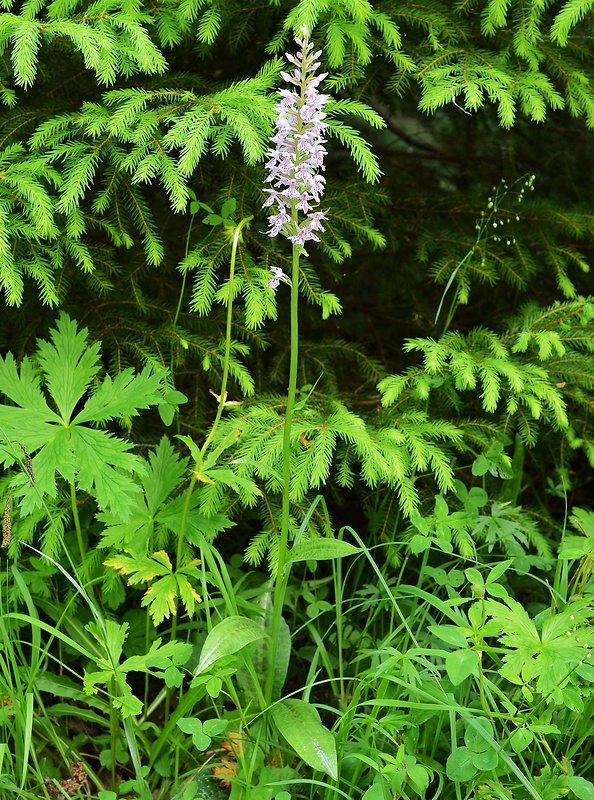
162	596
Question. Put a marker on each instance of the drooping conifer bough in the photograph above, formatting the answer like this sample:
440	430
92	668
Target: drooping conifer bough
298	154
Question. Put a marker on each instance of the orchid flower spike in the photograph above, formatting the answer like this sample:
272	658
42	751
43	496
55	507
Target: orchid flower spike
295	160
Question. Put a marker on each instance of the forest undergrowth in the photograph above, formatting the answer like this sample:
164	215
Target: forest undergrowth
296	394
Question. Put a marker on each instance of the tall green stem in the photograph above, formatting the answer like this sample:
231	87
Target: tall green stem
79	536
222	398
113	736
225	375
181	293
286	501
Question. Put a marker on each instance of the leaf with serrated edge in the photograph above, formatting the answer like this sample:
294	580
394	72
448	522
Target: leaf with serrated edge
91	459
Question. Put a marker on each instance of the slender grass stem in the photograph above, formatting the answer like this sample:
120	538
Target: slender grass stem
79	536
182	291
222	398
113	736
228	329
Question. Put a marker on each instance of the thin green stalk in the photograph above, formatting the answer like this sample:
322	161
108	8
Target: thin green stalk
79	536
286	503
113	736
227	357
339	611
182	290
222	398
179	552
147	644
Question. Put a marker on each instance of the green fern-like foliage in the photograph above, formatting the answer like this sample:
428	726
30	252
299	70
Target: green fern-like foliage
519	375
532	377
327	440
126	130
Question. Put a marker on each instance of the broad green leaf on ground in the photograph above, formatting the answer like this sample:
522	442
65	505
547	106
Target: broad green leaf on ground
460	766
60	444
520	739
460	665
227	637
377	791
299	724
478	735
581	787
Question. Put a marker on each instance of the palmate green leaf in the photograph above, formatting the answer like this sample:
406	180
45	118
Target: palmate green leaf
549	655
161	598
110	638
153	509
141	570
125	701
119	397
133	535
93	460
164	473
198	525
160	656
23	388
69	364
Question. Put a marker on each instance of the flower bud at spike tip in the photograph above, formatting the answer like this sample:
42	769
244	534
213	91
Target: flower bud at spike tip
293	165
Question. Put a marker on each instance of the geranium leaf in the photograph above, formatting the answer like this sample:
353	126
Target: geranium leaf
122	396
69	364
89	458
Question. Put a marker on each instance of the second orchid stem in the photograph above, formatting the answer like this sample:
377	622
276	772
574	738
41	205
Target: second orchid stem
222	398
